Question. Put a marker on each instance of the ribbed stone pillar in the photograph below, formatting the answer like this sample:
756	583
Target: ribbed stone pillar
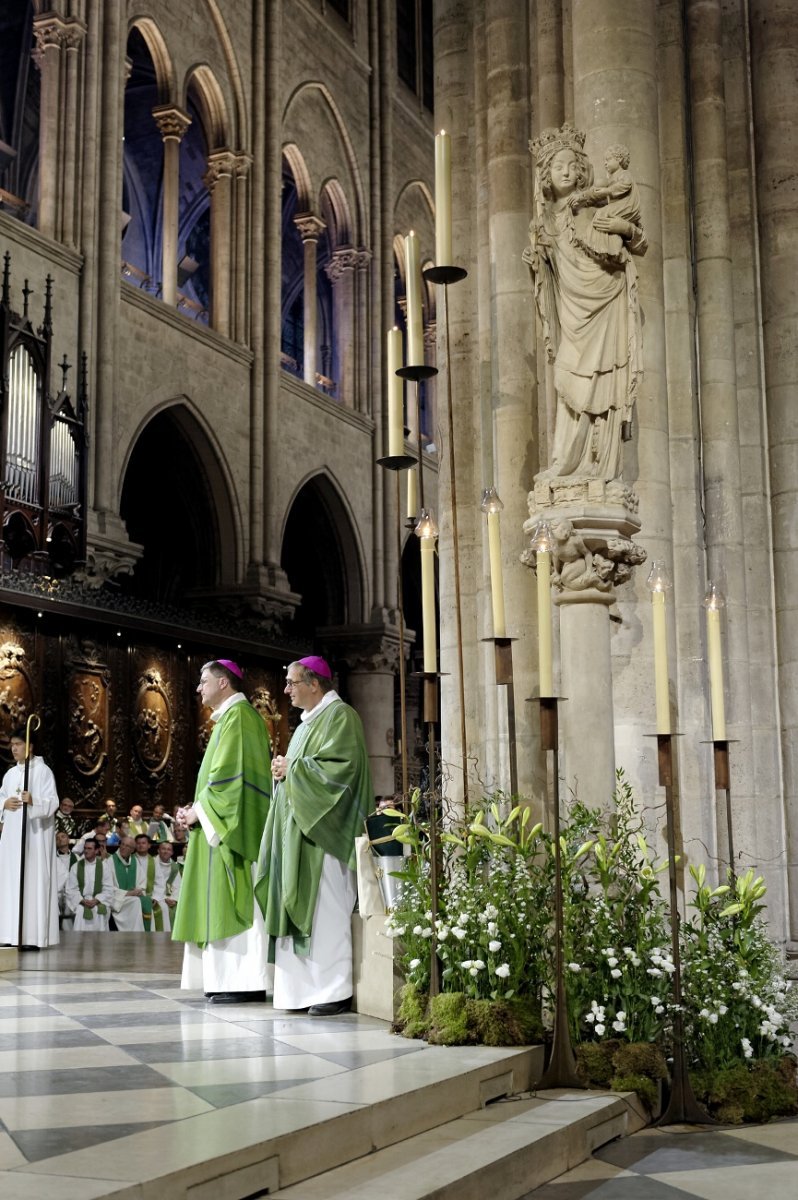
172	123
715	313
241	271
310	230
513	392
341	273
48	30
219	182
774	67
615	100
74	36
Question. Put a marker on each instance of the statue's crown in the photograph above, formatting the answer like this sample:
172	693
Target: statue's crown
552	140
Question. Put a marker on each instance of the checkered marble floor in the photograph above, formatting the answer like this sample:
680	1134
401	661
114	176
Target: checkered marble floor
681	1164
87	1059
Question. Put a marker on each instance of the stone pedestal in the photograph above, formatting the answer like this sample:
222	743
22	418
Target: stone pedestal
376	977
109	550
592	523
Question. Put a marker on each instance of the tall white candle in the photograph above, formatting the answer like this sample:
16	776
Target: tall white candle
396	439
429	631
496	575
415	308
543	559
443	200
661	662
715	657
412	493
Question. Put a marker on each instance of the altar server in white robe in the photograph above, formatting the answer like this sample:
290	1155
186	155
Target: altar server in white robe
127	885
64	859
167	885
88	891
40	906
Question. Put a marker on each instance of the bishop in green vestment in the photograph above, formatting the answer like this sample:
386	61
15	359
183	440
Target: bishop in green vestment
216	915
305	882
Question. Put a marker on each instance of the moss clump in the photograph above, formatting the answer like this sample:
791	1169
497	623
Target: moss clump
645	1087
449	1024
756	1091
594	1062
412	1017
514	1022
640	1058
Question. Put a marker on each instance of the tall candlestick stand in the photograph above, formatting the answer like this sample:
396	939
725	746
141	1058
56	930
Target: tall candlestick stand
415	375
720	756
399	463
430	720
561	1071
447	275
682	1108
503	661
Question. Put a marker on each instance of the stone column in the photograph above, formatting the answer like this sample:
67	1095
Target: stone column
774	52
310	230
720	439
50	33
74	36
550	76
513	391
372	655
218	180
241	261
363	323
616	100
172	123
341	274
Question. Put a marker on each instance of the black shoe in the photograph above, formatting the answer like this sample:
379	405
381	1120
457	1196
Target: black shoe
237	998
333	1009
30	948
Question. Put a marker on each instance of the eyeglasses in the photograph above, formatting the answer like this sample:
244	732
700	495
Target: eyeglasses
292	683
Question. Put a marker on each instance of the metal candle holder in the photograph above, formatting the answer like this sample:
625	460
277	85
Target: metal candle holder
682	1108
561	1071
503	662
447	275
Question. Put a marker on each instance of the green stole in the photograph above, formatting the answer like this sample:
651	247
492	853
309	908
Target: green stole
88	913
125	872
318	809
151	908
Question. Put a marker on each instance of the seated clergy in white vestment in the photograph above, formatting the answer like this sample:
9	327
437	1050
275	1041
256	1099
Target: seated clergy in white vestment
166	887
127	888
88	891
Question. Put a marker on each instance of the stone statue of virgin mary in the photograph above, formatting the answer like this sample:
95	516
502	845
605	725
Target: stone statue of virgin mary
589	308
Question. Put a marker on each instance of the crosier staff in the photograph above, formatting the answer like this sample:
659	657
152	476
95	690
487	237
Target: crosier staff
26	776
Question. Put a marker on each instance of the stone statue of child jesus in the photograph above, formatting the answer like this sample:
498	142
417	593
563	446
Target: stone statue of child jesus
618	197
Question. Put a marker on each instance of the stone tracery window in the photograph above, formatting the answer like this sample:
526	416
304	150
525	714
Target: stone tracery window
414	52
20	99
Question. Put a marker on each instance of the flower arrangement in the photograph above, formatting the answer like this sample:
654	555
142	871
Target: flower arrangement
495	946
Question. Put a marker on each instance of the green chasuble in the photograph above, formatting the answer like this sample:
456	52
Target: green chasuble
234	787
318	809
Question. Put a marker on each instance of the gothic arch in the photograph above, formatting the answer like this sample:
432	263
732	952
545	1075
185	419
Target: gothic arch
211	104
334	208
298	168
174	470
241	132
316	96
159	53
322	555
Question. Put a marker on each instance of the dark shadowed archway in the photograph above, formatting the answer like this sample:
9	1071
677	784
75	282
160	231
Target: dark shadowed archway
175	502
321	559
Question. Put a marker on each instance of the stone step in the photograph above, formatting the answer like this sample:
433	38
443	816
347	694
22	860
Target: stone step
9	958
504	1151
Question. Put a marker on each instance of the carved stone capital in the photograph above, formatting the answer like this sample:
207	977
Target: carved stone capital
172	122
109	551
221	165
431	335
345	259
310	227
243	162
52	31
593	525
364	258
366	649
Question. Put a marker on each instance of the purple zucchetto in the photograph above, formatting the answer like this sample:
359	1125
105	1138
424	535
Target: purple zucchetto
231	666
317	665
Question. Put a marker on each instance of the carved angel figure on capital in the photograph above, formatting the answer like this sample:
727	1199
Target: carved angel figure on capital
582	240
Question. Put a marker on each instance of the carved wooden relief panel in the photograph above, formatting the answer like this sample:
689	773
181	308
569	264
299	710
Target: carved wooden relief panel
16	686
152	722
